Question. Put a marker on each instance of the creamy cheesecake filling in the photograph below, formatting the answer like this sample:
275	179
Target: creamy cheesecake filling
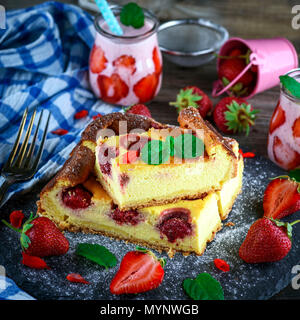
135	185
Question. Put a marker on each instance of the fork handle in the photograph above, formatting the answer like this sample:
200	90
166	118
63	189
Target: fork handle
4	185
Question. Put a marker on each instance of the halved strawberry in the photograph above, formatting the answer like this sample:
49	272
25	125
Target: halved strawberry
125	61
146	87
277	119
97	60
281	198
157	60
139	271
284	155
113	88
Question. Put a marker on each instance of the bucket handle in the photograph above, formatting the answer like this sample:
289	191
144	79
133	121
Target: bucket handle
218	84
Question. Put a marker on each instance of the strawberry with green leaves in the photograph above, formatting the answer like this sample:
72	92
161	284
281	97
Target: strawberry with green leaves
267	240
234	115
139	271
40	237
192	96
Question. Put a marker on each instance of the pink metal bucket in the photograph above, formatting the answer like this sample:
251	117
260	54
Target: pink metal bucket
273	57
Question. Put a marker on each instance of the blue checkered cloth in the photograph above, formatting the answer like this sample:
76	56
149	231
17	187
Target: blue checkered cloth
44	53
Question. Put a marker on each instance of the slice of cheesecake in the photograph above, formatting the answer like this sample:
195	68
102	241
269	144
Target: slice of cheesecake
132	181
184	226
76	201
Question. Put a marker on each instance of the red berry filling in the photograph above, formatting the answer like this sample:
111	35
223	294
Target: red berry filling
126	217
175	224
133	142
124	179
76	197
105	155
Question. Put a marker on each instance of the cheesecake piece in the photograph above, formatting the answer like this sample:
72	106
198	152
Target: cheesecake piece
76	201
133	183
184	226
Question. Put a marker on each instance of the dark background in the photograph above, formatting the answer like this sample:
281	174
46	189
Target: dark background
246	19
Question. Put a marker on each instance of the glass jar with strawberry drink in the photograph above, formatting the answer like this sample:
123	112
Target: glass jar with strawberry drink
284	130
126	69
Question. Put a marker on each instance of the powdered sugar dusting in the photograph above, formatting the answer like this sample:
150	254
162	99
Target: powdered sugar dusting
243	281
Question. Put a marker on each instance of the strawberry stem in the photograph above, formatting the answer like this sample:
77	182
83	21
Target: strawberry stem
11	227
294	222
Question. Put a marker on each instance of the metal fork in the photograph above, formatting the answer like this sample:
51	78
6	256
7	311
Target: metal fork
22	163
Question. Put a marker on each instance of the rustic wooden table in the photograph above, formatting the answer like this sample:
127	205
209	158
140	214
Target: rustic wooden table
246	19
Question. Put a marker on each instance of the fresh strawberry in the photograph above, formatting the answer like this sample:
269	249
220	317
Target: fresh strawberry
140	109
127	62
192	96
278	119
231	66
60	132
267	240
281	198
145	88
157	60
40	237
112	88
234	115
139	271
284	155
97	60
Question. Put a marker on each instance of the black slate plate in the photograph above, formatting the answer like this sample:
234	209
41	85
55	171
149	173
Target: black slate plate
244	281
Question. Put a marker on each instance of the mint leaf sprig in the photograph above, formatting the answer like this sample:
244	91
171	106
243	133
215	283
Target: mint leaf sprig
132	15
291	85
97	253
203	287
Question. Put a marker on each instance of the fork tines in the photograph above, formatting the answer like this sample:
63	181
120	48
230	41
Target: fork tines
22	154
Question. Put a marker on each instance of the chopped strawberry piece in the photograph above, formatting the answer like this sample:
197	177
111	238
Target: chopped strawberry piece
60	132
246	154
146	87
296	128
284	155
222	265
34	262
277	119
127	62
281	198
97	60
113	88
16	218
81	114
76	277
157	60
99	115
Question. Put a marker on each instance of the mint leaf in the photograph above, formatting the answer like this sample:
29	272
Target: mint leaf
96	253
292	85
204	287
188	146
295	174
132	15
